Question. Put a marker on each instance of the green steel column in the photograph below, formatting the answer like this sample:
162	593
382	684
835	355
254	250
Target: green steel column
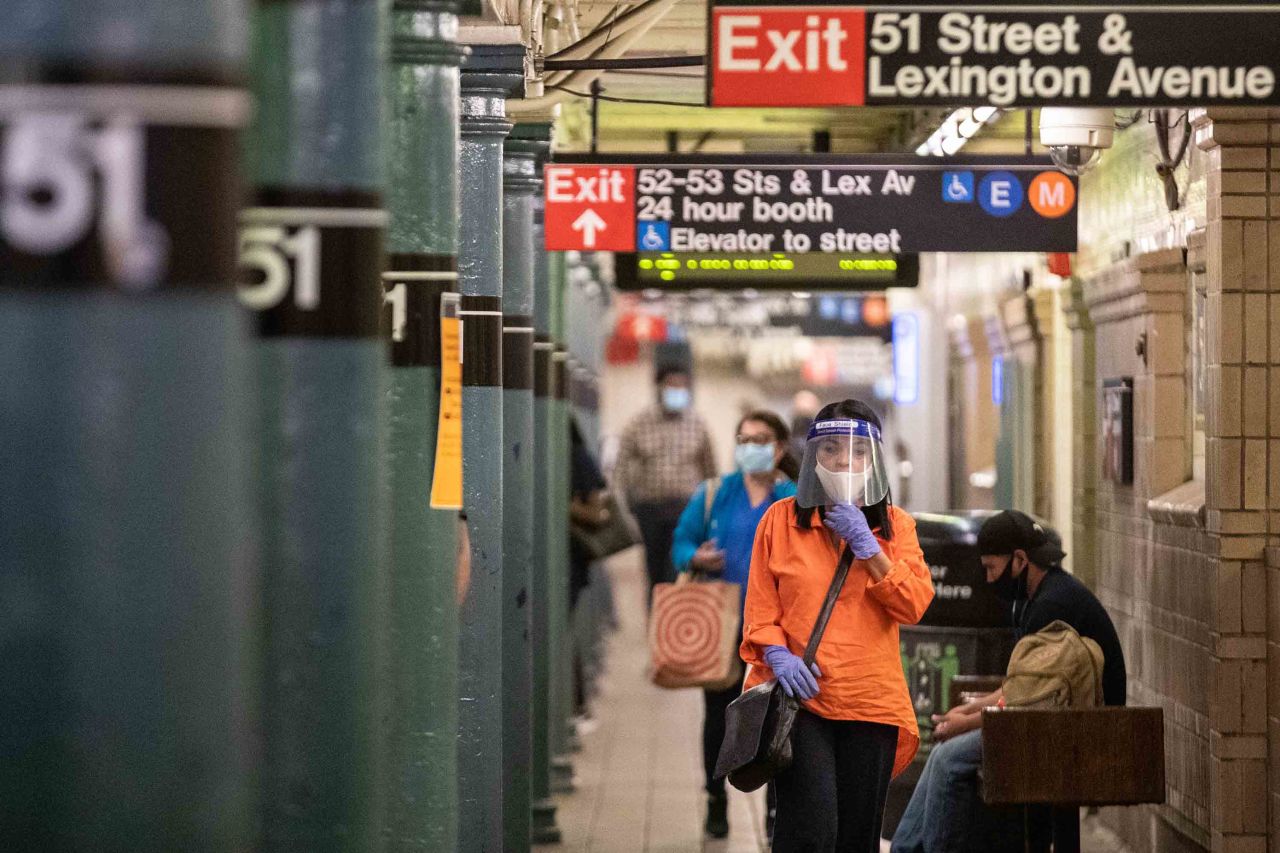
519	183
545	830
311	252
419	771
561	709
126	542
489	74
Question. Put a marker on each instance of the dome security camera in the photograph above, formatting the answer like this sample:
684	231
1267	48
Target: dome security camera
1076	136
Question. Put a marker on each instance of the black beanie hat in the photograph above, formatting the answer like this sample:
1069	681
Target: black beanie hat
1010	530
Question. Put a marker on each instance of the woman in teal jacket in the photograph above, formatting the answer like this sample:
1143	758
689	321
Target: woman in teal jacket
718	543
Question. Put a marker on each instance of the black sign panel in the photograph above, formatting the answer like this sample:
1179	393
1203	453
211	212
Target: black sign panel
850	204
671	271
1000	54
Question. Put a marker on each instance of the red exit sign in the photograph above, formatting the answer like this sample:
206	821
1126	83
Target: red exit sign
779	56
590	208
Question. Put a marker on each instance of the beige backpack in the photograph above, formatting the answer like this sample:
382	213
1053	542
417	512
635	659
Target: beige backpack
1054	668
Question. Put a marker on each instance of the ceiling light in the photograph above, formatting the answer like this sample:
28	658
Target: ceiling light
957	129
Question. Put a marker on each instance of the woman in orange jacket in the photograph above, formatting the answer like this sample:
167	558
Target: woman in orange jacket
856	728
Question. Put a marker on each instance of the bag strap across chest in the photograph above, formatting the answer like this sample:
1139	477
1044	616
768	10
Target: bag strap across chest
828	605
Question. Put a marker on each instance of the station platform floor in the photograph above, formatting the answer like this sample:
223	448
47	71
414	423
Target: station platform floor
638	777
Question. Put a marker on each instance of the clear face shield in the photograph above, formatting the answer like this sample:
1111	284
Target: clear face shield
843	464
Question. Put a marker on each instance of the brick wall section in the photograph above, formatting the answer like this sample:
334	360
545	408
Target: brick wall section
1028	327
1151	569
971	362
1084	435
1242	467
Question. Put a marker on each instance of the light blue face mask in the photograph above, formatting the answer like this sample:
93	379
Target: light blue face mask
754	458
676	399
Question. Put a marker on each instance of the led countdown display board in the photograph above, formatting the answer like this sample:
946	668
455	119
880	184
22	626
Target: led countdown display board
799	272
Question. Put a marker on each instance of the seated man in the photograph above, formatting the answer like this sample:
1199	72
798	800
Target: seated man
1024	566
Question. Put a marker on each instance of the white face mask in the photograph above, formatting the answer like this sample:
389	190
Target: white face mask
842	487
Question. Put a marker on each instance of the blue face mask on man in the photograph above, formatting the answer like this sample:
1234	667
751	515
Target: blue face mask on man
754	458
676	399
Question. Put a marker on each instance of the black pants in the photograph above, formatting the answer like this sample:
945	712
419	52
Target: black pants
715	701
831	798
657	521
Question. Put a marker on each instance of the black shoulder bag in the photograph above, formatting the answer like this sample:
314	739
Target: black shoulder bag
757	736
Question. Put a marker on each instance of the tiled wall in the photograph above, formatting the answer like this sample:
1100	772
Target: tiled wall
1150	568
1180	561
1242	462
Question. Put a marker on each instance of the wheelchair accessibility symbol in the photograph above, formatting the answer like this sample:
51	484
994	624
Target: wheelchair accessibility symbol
653	236
957	187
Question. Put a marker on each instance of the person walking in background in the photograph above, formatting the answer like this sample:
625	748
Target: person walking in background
804	405
586	507
664	453
856	727
714	537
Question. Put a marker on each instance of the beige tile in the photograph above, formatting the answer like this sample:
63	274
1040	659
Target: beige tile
1242	547
1166	344
1227	257
1273	400
1224	704
1227	474
1253	700
1236	157
1253	597
1238	746
1226	784
1243	207
1255	252
1273	246
1239	522
1255	328
1227	592
1232	320
1241	649
1232	133
1228	400
1273	478
1255	474
1244	182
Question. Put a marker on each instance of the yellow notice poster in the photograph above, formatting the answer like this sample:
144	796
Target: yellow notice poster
446	482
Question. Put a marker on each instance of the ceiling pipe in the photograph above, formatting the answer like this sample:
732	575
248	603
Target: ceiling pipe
610	28
641	20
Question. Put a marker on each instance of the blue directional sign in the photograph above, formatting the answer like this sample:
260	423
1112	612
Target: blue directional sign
653	236
957	187
906	358
1000	194
739	205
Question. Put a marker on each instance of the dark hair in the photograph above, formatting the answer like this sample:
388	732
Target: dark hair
669	370
877	514
787	464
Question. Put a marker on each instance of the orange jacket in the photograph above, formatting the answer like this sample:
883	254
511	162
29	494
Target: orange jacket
862	678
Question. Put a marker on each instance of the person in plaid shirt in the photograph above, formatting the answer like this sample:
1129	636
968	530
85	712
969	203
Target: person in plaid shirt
664	454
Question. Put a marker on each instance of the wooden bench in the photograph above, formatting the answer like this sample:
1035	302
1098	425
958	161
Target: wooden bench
1065	759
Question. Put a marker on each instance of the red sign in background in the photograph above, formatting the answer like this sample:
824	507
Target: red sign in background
590	208
765	56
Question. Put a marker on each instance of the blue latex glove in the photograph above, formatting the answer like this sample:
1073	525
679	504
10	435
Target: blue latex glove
791	674
851	525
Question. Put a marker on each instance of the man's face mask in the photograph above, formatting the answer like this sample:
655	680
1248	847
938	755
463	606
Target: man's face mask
1007	586
675	399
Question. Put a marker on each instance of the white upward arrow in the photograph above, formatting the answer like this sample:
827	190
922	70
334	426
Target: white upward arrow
589	222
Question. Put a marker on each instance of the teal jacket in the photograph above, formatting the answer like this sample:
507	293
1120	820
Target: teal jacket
732	523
